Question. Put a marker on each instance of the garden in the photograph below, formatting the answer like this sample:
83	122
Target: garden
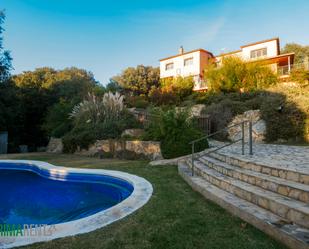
175	217
71	106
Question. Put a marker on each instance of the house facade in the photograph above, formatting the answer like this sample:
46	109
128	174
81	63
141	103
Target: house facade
185	64
194	63
267	52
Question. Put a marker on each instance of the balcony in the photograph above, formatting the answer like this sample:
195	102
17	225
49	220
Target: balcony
200	86
284	71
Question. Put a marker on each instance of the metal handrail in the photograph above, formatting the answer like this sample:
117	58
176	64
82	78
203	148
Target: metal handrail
242	139
215	133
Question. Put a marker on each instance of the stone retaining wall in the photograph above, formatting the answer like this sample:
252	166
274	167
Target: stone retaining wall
124	149
114	148
258	126
55	145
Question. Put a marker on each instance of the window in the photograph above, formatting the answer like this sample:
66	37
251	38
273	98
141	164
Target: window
169	66
188	61
258	53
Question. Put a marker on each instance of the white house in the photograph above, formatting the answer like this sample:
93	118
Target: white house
266	52
185	64
194	63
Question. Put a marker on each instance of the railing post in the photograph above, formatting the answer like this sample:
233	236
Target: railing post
243	138
192	159
250	138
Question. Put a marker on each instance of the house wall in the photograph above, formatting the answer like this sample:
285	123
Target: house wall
219	58
273	67
200	60
272	49
204	61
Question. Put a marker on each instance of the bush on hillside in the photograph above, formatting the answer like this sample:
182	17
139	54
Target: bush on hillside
235	75
79	137
174	129
57	122
281	119
98	118
301	76
158	97
284	109
286	112
137	101
181	87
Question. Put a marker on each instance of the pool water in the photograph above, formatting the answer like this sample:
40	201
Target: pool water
29	197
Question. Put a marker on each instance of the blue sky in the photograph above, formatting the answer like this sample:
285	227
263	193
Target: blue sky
107	36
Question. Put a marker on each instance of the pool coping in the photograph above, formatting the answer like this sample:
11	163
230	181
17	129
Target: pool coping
140	196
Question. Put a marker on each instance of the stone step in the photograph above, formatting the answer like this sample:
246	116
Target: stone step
295	190
285	207
289	234
273	170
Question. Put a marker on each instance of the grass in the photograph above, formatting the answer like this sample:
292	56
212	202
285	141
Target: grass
176	217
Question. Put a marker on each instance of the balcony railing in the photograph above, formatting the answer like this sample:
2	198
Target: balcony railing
200	86
286	70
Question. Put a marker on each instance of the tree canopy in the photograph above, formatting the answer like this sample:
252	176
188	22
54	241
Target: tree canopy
138	80
301	52
5	58
35	104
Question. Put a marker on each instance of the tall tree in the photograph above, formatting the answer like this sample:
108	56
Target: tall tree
5	58
9	105
46	93
301	52
138	80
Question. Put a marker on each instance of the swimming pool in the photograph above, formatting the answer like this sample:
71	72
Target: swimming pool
69	200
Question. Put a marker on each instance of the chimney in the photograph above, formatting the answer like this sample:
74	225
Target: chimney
181	50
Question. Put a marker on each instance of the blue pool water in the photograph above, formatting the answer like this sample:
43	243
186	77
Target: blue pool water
29	195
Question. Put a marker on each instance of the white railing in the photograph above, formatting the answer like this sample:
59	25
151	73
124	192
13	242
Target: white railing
286	70
200	86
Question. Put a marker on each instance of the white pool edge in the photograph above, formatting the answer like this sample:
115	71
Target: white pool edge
139	197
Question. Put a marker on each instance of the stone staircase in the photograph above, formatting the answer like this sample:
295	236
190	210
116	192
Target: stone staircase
273	199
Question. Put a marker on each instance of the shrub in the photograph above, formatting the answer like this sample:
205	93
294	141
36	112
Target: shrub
181	87
284	109
158	97
285	115
301	76
275	112
79	137
175	129
94	110
98	118
222	113
236	74
137	101
57	122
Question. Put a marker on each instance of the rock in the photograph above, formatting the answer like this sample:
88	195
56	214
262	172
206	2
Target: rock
151	149
125	149
55	145
258	126
91	151
197	110
132	132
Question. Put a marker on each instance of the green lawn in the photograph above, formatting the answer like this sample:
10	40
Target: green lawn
175	217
